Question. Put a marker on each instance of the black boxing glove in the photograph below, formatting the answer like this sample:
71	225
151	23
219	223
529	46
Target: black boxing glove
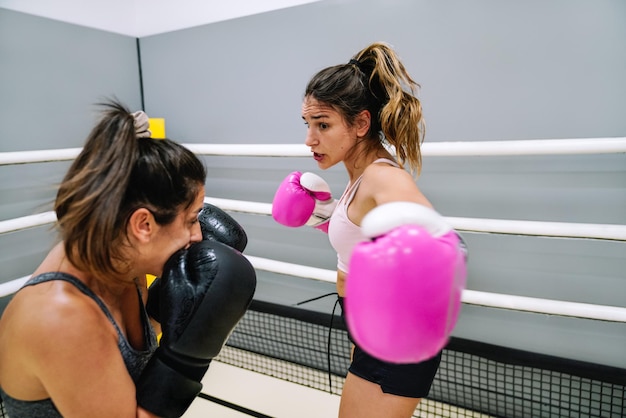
216	225
204	291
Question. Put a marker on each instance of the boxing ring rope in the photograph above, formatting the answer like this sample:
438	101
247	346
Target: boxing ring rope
434	149
450	149
495	226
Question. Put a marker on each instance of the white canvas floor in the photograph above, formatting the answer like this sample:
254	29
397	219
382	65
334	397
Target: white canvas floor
267	396
263	394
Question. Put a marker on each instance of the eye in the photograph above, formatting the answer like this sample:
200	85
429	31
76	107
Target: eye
195	219
323	125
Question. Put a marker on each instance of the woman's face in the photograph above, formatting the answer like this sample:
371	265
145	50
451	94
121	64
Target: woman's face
177	235
328	135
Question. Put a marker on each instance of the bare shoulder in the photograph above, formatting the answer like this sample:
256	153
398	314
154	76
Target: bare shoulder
386	183
56	311
382	172
50	321
50	332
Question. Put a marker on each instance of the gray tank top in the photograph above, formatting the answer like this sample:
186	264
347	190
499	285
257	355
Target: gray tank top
135	360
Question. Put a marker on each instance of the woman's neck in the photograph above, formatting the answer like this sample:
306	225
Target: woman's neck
362	160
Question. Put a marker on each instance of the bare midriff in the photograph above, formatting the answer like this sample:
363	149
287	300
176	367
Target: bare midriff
341	283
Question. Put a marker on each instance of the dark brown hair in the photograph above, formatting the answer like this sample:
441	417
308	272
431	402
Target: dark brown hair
376	80
115	174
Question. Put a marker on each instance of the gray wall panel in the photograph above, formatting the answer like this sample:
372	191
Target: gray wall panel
489	70
51	74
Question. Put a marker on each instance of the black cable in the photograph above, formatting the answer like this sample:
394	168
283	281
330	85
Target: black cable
315	298
230	405
330	333
143	104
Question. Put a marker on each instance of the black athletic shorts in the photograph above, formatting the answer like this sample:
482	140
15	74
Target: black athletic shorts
412	380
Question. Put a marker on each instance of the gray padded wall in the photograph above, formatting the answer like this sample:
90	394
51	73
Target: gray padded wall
489	70
51	74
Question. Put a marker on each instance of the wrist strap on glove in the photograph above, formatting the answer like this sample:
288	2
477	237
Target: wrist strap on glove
164	391
324	202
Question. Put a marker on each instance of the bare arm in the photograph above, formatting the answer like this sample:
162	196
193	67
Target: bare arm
76	361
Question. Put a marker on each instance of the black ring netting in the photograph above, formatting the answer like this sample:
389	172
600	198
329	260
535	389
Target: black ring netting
474	379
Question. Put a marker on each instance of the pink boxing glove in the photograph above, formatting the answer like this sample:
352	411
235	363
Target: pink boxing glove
303	199
403	291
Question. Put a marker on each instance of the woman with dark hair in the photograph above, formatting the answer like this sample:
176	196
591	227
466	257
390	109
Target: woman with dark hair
76	339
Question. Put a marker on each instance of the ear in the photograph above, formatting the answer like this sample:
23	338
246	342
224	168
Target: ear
362	123
141	225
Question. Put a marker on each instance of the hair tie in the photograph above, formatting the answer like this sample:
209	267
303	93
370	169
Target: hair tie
142	123
357	63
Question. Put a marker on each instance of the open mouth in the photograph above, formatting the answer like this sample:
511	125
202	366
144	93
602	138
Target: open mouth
317	157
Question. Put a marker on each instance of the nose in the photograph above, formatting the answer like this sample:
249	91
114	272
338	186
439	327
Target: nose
196	233
310	139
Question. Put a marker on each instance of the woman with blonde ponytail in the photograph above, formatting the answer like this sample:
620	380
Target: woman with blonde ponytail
364	114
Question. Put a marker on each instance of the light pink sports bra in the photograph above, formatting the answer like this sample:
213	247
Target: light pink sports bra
342	232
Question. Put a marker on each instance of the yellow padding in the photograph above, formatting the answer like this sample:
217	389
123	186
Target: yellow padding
150	278
157	127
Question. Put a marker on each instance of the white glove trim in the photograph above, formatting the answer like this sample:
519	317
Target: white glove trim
389	216
314	183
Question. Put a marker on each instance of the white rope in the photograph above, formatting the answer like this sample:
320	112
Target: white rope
291	269
437	149
470	297
526	147
497	226
545	306
240	206
8	288
474	148
40	156
494	226
541	229
25	222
